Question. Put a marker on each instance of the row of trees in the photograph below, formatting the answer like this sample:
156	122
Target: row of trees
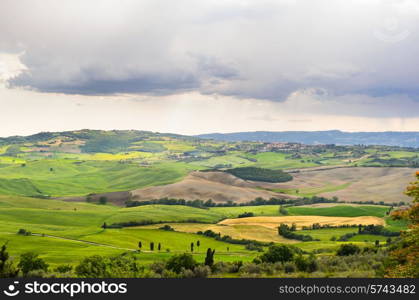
159	246
209	203
289	233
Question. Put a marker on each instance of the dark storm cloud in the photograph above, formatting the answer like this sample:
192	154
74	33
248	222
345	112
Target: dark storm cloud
249	49
159	84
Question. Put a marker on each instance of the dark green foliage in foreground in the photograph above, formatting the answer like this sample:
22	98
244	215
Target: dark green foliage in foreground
181	261
260	174
306	264
63	269
209	258
30	261
348	249
122	266
7	269
277	253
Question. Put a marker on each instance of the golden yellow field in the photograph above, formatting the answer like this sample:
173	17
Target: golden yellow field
249	232
300	221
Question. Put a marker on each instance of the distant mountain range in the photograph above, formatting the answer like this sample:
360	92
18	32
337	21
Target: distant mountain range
389	138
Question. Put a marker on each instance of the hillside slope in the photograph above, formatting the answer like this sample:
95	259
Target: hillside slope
218	186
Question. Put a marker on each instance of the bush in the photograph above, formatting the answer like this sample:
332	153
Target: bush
277	253
246	215
121	266
201	271
253	247
348	249
289	267
306	264
7	268
30	261
167	228
92	267
181	261
63	269
23	232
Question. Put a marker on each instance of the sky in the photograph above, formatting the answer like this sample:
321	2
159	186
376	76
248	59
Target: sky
206	66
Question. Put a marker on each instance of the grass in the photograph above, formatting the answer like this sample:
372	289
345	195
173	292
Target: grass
165	213
396	225
79	225
65	177
339	211
327	233
233	212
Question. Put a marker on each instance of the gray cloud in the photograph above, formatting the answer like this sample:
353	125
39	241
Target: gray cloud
248	49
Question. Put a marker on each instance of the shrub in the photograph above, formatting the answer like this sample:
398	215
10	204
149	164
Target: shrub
289	267
30	261
347	249
181	261
92	267
246	215
201	271
277	253
167	228
23	232
253	247
63	269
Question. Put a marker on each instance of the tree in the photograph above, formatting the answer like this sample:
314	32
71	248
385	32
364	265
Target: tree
181	261
92	266
277	253
347	249
152	246
283	211
140	245
308	264
104	225
377	243
192	247
198	243
404	259
159	247
209	258
30	261
7	269
103	200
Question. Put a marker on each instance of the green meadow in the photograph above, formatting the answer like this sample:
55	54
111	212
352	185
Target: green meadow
340	211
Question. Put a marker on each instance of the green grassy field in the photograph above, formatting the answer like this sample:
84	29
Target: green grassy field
52	165
327	233
340	211
65	177
64	232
